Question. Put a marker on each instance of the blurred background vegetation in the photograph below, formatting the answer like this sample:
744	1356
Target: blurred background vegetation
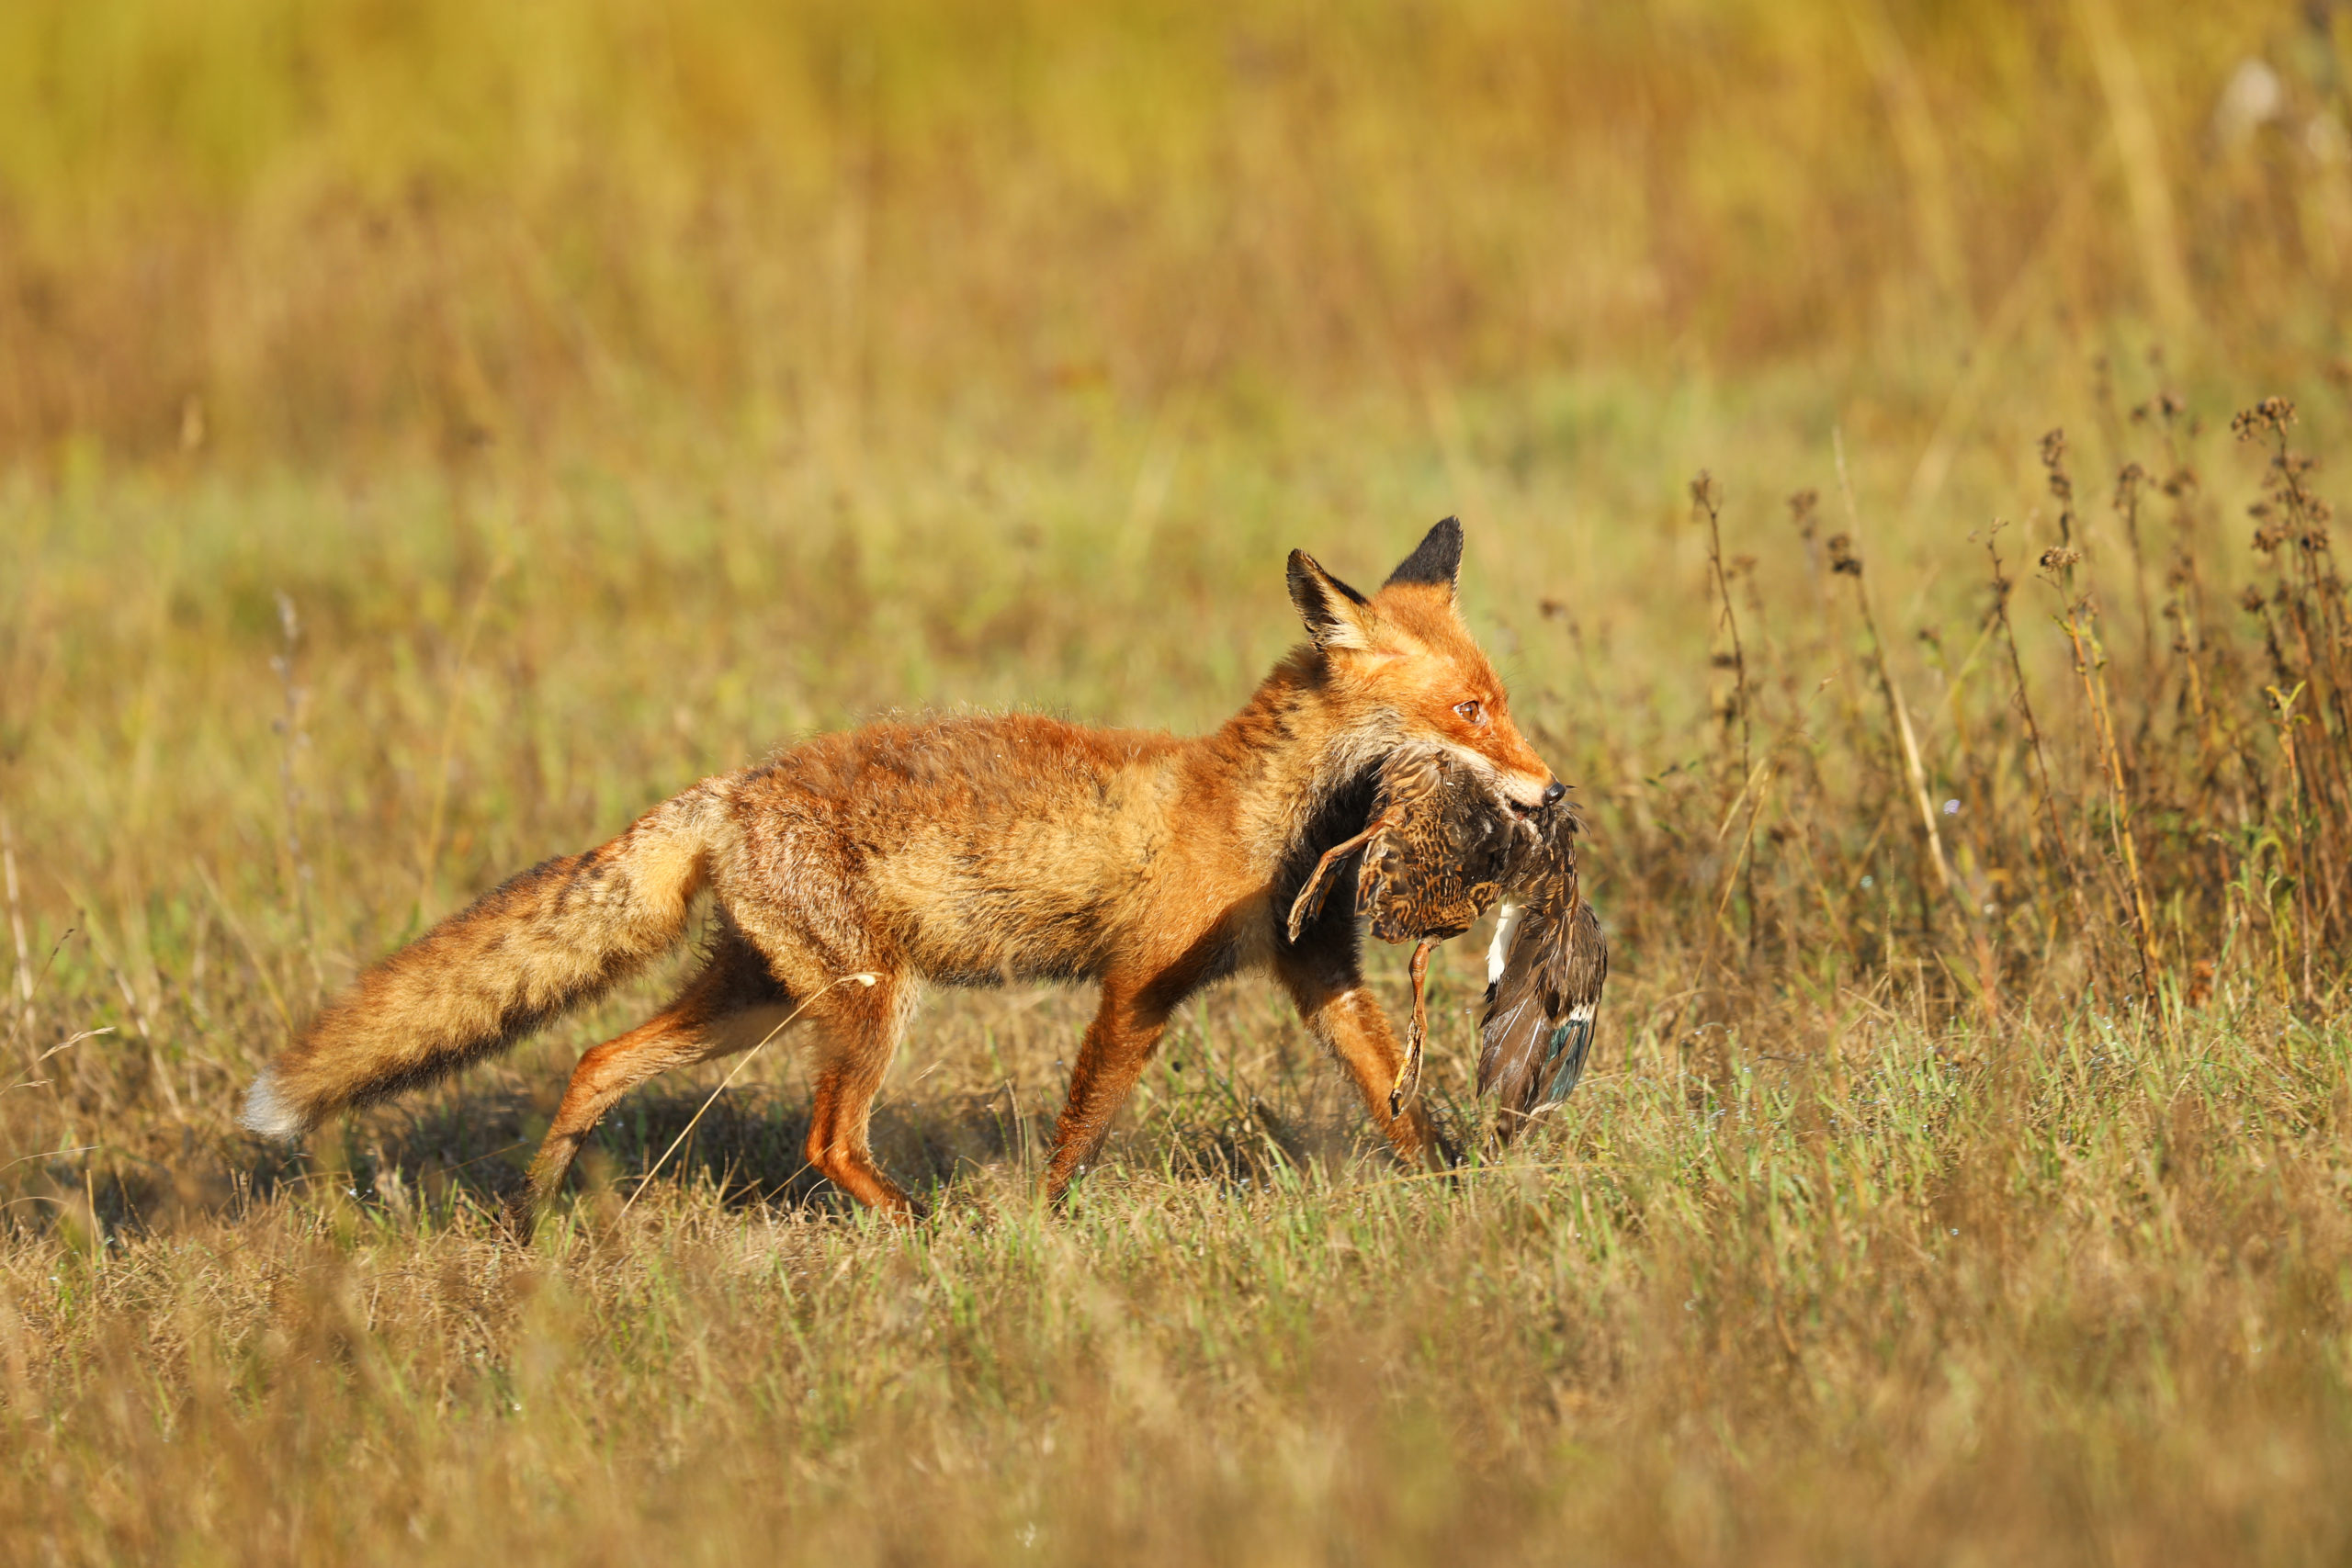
431	433
283	231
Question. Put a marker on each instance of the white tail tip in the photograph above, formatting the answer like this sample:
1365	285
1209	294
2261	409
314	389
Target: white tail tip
267	1113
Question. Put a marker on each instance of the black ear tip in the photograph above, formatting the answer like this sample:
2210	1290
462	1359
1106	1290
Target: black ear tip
1436	559
1302	574
1309	580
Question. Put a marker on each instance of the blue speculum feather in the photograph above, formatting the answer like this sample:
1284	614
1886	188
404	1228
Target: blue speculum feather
1564	1059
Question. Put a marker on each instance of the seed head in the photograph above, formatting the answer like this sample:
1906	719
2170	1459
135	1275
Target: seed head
1705	493
1801	509
2127	486
2271	416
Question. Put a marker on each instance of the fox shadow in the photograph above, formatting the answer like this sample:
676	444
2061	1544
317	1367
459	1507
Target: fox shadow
746	1147
465	1149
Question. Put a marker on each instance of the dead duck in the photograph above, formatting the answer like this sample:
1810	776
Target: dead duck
1440	850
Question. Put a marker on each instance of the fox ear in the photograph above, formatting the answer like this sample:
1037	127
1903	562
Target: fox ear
1436	560
1334	613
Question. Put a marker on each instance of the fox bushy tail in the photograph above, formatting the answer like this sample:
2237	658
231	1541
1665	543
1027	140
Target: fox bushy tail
550	938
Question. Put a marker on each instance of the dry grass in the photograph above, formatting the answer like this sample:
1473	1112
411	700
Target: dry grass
432	434
2078	1296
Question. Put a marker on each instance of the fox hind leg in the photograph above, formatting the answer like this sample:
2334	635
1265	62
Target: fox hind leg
860	1028
731	1006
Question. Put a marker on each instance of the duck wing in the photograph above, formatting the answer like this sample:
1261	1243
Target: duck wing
1545	971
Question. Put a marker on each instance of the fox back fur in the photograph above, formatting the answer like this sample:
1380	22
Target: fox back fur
957	851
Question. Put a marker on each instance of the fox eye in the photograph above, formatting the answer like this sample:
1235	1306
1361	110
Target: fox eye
1472	711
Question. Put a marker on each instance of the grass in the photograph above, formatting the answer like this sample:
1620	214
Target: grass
428	436
2023	1302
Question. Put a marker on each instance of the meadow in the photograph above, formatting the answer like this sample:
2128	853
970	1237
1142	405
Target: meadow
1896	444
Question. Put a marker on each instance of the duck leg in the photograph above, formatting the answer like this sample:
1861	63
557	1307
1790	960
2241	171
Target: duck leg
1408	1077
1309	902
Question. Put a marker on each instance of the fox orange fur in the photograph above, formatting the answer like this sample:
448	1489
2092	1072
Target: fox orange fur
958	851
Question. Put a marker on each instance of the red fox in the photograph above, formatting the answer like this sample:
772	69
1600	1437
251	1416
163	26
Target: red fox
961	851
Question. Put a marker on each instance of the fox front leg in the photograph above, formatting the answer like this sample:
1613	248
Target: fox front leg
1347	1020
1127	1027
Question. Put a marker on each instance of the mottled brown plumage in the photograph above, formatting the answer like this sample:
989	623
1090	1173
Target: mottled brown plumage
1443	848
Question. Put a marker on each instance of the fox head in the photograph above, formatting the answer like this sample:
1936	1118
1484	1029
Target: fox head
1402	663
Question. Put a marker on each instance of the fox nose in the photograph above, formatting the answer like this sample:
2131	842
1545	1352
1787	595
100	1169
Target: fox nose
1554	793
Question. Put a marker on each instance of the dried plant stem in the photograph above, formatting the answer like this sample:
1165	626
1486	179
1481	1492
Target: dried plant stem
2127	504
2298	797
2311	698
2091	669
2057	835
1706	499
294	738
1914	773
428	857
2080	623
244	940
1915	770
17	927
